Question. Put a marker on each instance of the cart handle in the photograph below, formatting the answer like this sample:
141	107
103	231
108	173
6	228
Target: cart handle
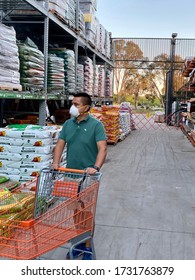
71	170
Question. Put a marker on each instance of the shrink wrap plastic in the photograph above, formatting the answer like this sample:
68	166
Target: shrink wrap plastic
9	57
31	65
26	149
55	73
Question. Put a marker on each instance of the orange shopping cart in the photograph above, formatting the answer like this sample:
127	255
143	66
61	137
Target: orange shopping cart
64	212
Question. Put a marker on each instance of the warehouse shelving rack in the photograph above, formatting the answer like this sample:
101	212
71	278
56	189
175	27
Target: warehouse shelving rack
46	29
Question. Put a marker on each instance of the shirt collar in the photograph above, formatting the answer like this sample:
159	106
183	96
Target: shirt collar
84	120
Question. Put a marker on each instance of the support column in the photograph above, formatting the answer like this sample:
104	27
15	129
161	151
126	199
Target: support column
76	47
170	81
105	68
43	103
94	72
1	112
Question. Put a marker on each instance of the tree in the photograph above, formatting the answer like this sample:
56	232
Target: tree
127	53
133	84
159	69
136	75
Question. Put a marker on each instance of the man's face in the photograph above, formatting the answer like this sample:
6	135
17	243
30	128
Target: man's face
77	102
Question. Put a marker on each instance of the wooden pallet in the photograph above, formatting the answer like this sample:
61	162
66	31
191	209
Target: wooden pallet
109	142
61	18
91	44
81	34
11	87
112	143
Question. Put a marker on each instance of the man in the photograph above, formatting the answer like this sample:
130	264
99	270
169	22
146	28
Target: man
86	145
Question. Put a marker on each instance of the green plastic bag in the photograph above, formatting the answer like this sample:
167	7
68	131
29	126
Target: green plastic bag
3	179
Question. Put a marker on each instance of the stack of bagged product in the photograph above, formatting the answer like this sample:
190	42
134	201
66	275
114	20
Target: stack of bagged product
125	107
88	76
55	73
102	39
58	7
80	78
26	149
70	13
65	10
125	120
69	67
81	23
69	64
109	78
31	65
92	2
116	121
107	44
101	81
9	59
88	73
97	37
96	80
89	9
111	121
96	112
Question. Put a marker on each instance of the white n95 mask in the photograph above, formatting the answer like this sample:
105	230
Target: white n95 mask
74	111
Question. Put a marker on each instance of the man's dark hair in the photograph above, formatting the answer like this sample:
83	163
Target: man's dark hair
86	98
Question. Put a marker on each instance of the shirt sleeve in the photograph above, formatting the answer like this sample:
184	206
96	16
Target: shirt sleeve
63	132
100	133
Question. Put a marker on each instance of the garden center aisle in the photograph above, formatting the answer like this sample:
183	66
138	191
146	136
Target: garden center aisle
146	201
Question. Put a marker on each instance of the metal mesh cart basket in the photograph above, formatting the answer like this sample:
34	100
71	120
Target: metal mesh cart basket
69	217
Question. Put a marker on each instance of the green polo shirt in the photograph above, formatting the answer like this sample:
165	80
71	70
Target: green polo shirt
81	139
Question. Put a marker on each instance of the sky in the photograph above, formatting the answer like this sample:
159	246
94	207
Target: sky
147	18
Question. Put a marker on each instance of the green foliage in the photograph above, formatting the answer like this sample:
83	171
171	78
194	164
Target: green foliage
151	101
136	75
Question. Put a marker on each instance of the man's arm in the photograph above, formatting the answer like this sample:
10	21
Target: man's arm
101	156
102	152
58	153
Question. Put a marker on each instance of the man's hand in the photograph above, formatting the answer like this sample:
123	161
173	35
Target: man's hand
91	170
54	166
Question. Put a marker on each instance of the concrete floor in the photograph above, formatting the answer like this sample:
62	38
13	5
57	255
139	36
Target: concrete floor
146	202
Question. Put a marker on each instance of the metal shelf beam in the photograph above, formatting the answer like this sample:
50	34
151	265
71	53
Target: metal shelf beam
34	96
38	7
31	96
